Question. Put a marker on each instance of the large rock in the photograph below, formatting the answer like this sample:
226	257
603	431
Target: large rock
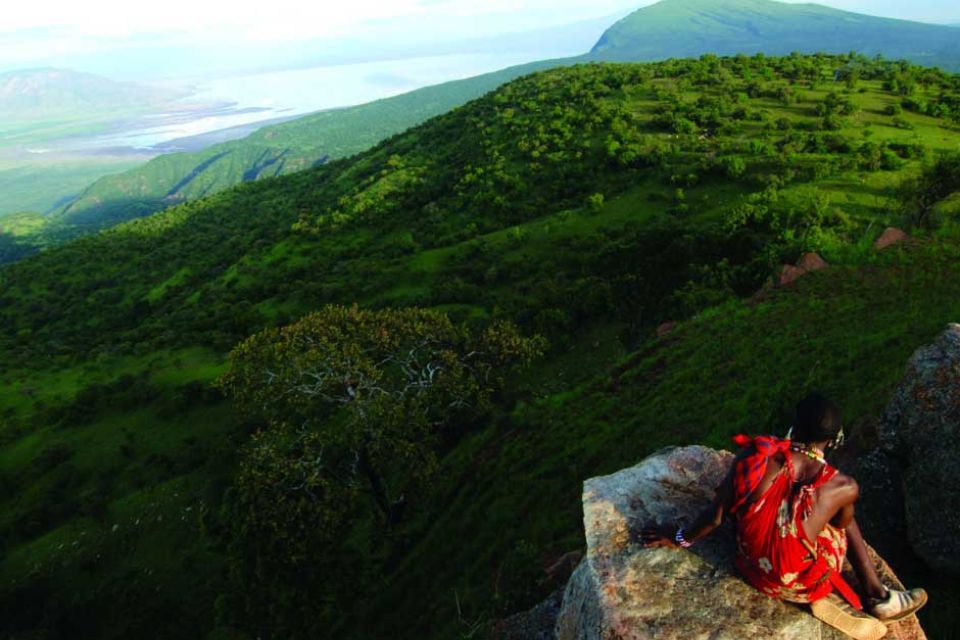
811	262
664	329
789	273
889	237
880	511
536	624
625	592
920	430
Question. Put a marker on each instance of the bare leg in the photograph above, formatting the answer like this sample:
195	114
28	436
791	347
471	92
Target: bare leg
834	504
895	606
860	559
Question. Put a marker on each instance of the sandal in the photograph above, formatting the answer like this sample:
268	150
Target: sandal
837	612
898	604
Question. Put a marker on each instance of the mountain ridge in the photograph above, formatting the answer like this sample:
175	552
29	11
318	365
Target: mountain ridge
302	143
685	27
271	151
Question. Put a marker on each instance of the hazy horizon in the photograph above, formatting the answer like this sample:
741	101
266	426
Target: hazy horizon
149	43
226	71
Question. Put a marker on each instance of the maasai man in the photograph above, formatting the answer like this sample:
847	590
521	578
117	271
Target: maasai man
793	515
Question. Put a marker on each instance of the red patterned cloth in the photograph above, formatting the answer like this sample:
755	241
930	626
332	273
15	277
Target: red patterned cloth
773	552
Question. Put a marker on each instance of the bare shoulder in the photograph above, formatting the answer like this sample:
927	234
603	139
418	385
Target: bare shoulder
842	483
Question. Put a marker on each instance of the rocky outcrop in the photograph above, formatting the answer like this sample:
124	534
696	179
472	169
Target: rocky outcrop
788	273
880	511
623	591
664	329
811	262
536	624
889	237
920	430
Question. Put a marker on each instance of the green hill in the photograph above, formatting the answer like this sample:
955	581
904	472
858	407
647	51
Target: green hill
271	151
586	204
669	29
681	28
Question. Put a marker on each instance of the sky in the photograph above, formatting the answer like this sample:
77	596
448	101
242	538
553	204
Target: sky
155	37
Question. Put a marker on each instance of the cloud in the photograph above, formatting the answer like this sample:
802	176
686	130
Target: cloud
238	32
71	33
125	19
264	20
299	19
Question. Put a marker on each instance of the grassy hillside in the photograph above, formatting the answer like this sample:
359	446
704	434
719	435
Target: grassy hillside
44	186
725	27
737	368
271	151
669	29
586	204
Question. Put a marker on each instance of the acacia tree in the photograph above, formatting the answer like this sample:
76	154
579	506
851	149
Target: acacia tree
357	405
365	397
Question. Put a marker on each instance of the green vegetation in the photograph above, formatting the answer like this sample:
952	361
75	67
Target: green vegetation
930	197
668	29
44	186
679	28
584	204
275	150
359	404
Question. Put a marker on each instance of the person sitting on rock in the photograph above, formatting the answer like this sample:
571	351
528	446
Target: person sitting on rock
794	520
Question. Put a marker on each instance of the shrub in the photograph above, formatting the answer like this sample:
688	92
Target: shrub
902	123
595	202
734	166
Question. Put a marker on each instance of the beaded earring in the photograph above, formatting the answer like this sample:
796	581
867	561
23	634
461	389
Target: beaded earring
838	440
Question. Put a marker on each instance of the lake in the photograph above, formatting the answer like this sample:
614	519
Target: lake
265	96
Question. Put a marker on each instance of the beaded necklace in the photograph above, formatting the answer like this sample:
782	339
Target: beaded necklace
813	453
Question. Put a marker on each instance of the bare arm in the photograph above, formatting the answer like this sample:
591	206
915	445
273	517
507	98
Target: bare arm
708	519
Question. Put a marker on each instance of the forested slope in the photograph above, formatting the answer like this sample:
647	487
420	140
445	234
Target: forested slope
668	29
585	204
271	151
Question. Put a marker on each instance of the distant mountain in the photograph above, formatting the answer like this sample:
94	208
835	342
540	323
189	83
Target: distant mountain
683	28
672	28
35	93
46	115
274	150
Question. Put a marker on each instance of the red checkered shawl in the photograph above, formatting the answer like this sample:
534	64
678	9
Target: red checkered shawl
773	552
